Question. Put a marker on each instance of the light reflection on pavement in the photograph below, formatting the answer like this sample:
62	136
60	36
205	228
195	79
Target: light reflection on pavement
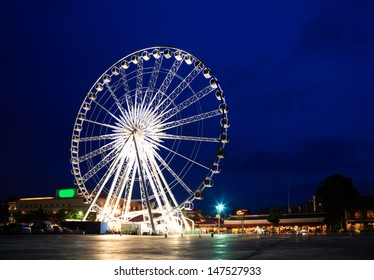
225	247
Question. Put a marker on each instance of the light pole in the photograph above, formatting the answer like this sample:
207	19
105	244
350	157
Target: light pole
219	209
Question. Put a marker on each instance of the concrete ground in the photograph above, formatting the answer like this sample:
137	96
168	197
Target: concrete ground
219	247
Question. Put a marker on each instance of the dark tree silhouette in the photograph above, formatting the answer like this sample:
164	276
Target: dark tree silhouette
336	193
274	217
4	216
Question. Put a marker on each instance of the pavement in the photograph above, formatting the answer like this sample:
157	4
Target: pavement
195	247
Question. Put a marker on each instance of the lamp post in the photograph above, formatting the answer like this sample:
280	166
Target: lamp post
241	214
219	209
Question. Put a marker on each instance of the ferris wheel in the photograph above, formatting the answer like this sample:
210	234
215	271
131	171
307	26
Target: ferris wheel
148	138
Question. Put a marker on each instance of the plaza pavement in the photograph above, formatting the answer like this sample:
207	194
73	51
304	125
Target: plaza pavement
205	247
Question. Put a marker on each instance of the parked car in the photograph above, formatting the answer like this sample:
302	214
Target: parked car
57	229
42	227
18	228
66	230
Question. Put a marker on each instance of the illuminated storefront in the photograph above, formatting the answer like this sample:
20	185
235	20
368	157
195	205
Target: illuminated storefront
360	220
288	223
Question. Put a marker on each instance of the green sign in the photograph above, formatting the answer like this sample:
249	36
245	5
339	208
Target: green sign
66	193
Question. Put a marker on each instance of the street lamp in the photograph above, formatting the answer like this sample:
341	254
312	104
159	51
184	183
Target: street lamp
219	208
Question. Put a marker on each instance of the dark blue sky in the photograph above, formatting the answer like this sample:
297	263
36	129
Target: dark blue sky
297	75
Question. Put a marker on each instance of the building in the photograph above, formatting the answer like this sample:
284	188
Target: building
256	224
65	199
202	223
360	217
288	223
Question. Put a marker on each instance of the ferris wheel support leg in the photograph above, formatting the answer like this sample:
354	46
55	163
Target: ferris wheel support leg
145	188
88	212
185	223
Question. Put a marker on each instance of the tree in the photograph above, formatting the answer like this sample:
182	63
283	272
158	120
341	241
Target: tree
40	214
336	193
274	217
59	216
20	217
4	216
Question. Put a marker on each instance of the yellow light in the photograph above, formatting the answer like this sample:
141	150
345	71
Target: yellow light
37	198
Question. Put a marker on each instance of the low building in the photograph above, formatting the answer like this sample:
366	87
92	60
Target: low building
360	217
201	222
65	199
288	223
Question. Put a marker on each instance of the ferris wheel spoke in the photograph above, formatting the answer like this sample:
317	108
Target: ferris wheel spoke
167	187
112	155
111	169
184	157
129	188
176	177
115	85
139	83
98	151
106	110
152	180
161	190
153	143
152	82
100	186
185	104
125	178
125	118
166	83
112	136
118	103
126	89
143	185
116	187
189	138
116	128
143	199
179	89
98	190
108	158
160	187
189	120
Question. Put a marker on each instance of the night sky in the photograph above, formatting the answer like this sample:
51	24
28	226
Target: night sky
297	76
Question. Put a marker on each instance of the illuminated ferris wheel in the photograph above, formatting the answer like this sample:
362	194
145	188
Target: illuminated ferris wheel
148	138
